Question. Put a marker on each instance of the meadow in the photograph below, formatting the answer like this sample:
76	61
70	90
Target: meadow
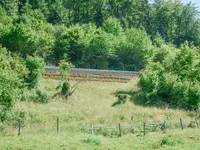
92	103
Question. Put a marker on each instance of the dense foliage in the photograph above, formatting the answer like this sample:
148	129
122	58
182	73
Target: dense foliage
35	66
101	34
18	81
174	80
105	34
12	73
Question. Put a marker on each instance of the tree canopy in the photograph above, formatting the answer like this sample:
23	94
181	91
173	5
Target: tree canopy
104	31
162	38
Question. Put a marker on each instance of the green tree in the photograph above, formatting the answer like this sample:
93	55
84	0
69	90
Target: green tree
136	51
31	36
11	7
64	88
5	23
112	26
12	74
173	82
99	49
35	66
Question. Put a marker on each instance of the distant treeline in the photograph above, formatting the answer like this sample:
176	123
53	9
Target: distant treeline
101	34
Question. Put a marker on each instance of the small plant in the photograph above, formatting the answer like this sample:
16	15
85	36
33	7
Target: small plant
192	124
64	88
92	140
157	126
167	141
34	95
35	66
107	132
41	97
122	98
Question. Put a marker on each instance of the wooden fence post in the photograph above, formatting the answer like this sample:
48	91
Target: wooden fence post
120	130
19	127
58	125
181	123
131	118
164	127
92	129
144	129
197	123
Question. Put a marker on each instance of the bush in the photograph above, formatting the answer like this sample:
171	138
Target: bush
64	86
35	66
112	26
173	81
99	50
41	97
34	95
5	22
70	43
30	34
12	73
135	51
92	140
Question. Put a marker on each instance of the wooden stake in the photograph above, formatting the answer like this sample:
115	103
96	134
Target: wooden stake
120	130
19	127
58	125
197	123
92	128
164	126
144	129
132	118
181	123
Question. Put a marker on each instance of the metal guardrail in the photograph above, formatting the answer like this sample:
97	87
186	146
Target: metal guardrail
96	71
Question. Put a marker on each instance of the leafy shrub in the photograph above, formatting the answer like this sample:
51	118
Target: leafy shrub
106	131
135	51
34	95
31	34
64	87
92	140
35	66
12	73
168	141
173	81
192	124
99	50
156	126
5	22
112	26
70	43
41	97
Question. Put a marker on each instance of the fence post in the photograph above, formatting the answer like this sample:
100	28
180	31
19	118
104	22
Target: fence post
120	130
19	127
58	125
181	123
144	129
164	127
92	129
131	118
197	122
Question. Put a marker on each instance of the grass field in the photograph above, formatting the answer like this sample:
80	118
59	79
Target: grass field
92	103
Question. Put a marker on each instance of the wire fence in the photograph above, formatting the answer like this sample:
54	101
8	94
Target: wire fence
117	129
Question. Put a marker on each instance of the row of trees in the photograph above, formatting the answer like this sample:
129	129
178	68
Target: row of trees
102	34
105	34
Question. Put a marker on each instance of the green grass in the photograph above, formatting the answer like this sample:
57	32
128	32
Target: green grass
176	140
92	102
